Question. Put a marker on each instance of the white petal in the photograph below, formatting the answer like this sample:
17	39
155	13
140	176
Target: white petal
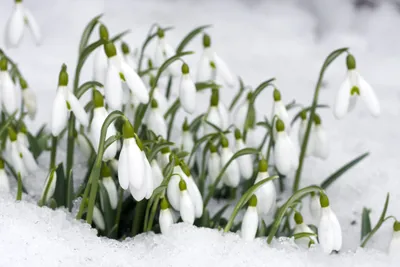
16	159
241	115
98	218
84	145
245	162
283	153
336	232
111	189
78	109
29	99
204	71
27	158
315	207
148	177
186	207
165	220
369	97
187	142
157	174
394	245
304	241
123	170
187	94
224	115
4	183
341	106
51	185
99	116
59	113
100	65
279	110
213	117
321	148
136	164
325	231
163	159
195	196
113	87
249	224
15	27
8	90
266	194
161	100
173	192
224	71
311	140
135	83
156	123
231	176
214	167
33	26
138	194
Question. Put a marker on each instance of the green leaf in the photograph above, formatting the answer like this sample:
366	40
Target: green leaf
158	148
214	126
307	109
110	140
205	138
108	212
19	187
365	223
244	199
201	86
195	124
291	105
304	234
238	95
333	177
189	37
60	192
86	86
87	32
260	88
34	146
173	108
4	125
14	174
217	217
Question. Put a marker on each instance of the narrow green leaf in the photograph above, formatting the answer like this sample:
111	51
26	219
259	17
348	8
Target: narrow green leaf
260	88
333	177
189	37
110	140
304	234
19	187
365	223
34	146
238	95
201	86
5	124
157	148
195	124
87	32
307	109
60	192
86	86
108	212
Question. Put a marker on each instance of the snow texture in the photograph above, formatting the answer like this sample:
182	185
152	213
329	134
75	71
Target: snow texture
259	39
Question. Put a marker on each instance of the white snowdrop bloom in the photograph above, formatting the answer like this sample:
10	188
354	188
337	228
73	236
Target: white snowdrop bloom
173	187
302	132
157	174
193	190
315	206
394	246
320	139
29	98
163	157
117	72
224	115
84	145
127	56
266	193
166	219
279	110
211	63
49	187
353	87
99	116
213	115
301	227
214	165
20	17
148	176
22	137
245	162
109	185
100	65
187	142
4	182
250	220
98	218
161	100
165	51
231	176
21	158
64	102
329	230
240	116
253	139
186	206
187	91
156	121
9	99
285	153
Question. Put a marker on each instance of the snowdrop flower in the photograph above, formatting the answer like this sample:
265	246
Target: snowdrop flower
353	87
302	131
126	52
250	220
49	187
100	58
4	183
301	227
161	100
173	191
284	153
109	185
187	142
214	165
156	121
394	245
117	71
213	115
21	158
9	100
321	145
186	206
231	176
99	116
20	17
315	206
193	190
266	193
187	91
163	157
166	219
29	98
329	231
157	174
211	64
224	115
65	102
163	52
98	218
241	113
280	111
22	136
245	162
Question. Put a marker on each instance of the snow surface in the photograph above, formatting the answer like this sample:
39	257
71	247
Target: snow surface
285	39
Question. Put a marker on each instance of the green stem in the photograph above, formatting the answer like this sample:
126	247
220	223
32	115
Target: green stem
138	216
53	152
19	188
70	161
169	85
119	210
153	213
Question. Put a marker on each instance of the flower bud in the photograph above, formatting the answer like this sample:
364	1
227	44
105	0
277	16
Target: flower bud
206	40
298	218
324	200
127	130
185	68
63	76
277	95
103	32
110	50
280	126
350	62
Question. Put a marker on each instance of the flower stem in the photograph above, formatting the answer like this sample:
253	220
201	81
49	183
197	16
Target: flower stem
138	216
169	85
19	188
70	161
53	152
153	213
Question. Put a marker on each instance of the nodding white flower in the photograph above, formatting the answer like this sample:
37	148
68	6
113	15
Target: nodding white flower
211	65
29	98
22	137
193	190
187	142
98	218
321	144
161	100
186	206
109	185
231	176
165	51
21	158
173	186
156	121
266	193
302	132
166	219
163	157
250	220
245	162
187	91
127	56
329	231
65	102
354	86
20	17
214	115
279	110
157	174
4	183
394	245
315	206
117	71
252	139
224	115
214	165
301	227
99	116
285	153
83	144
9	99
241	113
49	187
100	65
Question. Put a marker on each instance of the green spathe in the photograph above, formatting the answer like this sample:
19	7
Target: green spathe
98	99
63	76
263	165
182	185
324	200
253	201
350	62
298	218
127	130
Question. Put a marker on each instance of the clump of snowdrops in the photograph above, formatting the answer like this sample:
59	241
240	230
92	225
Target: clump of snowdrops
146	172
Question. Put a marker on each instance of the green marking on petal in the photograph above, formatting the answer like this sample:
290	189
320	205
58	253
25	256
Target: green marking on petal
68	105
355	91
20	155
122	76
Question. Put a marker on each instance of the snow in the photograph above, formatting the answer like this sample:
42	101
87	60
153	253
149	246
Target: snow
259	40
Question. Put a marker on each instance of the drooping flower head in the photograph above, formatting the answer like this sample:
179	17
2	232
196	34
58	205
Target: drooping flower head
187	91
